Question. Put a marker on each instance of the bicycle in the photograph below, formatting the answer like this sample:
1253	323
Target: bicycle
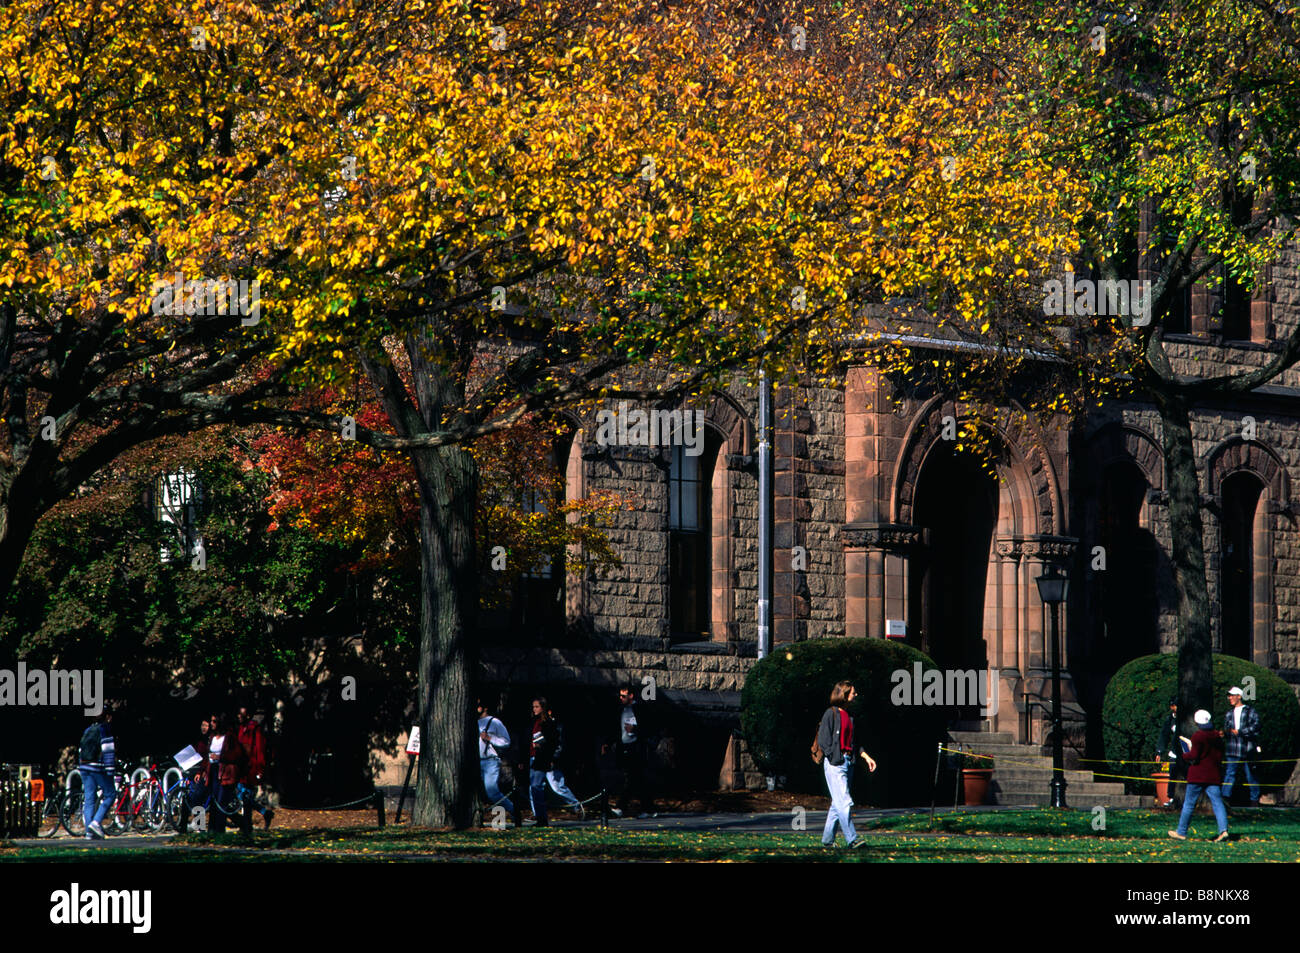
199	812
149	804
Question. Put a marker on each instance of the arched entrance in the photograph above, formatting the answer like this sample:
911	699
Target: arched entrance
957	508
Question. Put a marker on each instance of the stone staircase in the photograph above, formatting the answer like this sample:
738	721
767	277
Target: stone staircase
1022	775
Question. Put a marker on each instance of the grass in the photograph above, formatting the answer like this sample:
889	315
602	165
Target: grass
999	836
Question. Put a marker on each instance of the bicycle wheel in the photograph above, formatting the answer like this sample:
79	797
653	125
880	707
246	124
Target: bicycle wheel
173	804
50	820
118	820
70	813
142	808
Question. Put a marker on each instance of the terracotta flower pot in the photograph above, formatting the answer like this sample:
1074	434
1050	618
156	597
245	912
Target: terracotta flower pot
975	785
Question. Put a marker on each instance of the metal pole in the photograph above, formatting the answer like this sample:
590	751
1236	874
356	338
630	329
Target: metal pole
765	471
1058	741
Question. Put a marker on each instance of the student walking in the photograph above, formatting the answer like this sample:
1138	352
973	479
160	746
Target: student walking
1241	737
544	765
253	739
839	751
493	739
97	759
1205	759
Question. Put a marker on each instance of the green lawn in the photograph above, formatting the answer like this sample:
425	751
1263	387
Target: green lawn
1027	835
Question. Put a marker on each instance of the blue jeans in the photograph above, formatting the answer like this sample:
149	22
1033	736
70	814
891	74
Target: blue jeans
1230	777
1189	804
490	769
555	778
97	794
838	778
537	794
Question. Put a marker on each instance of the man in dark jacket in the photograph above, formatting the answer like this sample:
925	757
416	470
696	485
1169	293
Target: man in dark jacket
1241	734
1204	772
631	753
1167	750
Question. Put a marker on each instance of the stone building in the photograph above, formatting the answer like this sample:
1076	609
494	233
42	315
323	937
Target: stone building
879	519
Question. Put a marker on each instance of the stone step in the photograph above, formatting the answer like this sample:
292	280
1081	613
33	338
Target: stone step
1080	788
1093	800
1015	772
982	737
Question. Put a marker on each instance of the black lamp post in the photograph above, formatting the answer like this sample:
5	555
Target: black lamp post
1053	586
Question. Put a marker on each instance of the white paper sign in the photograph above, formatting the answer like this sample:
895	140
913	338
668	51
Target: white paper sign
413	743
189	758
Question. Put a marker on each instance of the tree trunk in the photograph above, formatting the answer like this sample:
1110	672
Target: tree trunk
1195	684
448	776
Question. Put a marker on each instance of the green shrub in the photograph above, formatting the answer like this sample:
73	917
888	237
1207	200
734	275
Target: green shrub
787	692
1137	703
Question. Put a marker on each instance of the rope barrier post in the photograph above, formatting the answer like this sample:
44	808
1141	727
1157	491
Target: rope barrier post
604	809
934	788
379	806
956	781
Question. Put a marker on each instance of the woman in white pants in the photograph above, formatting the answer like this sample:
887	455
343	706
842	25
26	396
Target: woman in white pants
839	747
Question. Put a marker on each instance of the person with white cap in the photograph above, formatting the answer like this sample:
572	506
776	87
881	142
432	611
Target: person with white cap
1241	734
1204	758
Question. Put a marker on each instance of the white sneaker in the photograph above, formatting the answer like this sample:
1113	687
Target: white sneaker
94	828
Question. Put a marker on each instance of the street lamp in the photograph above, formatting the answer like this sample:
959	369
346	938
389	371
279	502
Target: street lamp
1053	587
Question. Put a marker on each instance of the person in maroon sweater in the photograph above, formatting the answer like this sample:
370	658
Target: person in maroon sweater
253	739
1204	773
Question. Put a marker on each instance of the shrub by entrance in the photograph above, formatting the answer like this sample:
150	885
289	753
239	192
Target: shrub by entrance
786	693
1137	703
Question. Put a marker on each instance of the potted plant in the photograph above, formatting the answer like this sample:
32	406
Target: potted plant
976	773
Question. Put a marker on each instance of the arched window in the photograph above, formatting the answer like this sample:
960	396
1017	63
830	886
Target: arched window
1241	494
690	538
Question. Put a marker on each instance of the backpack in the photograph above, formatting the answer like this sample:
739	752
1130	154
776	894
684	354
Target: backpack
89	752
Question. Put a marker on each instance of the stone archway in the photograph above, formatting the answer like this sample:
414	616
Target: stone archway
1017	534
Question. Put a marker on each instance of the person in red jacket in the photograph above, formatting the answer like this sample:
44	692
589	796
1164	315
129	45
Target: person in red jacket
1204	758
253	739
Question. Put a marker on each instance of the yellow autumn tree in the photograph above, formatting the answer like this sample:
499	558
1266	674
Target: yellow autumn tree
534	205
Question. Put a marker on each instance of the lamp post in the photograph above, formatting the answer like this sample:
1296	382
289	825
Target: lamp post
1053	586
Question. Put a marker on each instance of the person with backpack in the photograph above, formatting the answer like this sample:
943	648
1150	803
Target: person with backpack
493	747
836	748
555	777
97	760
543	765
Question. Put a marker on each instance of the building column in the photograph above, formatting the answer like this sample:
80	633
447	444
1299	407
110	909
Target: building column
876	572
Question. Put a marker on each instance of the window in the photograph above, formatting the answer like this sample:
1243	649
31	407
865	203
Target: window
690	543
178	499
1241	496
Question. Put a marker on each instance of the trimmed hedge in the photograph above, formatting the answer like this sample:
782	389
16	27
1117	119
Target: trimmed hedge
786	693
1137	702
